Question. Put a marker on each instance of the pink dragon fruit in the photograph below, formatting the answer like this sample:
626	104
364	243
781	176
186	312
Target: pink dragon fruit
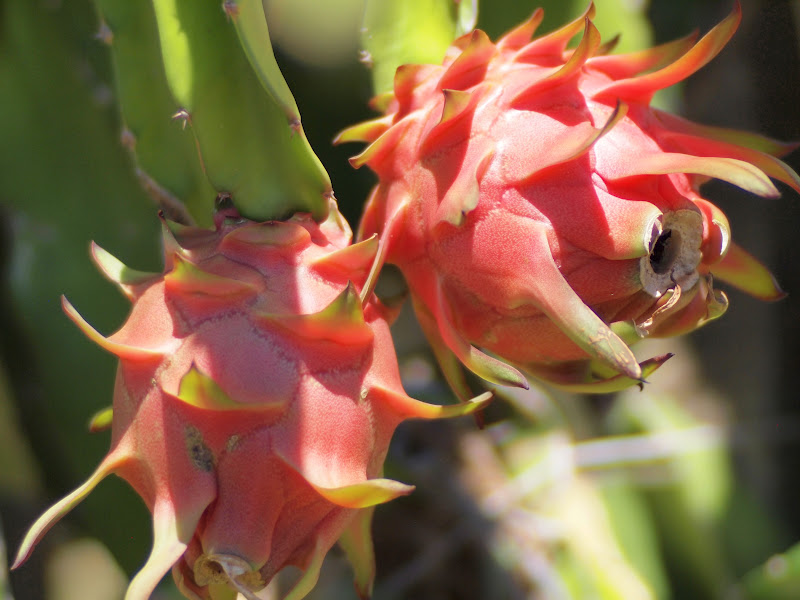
256	395
542	212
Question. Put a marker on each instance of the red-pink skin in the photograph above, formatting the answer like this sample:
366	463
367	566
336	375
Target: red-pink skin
305	397
256	395
591	209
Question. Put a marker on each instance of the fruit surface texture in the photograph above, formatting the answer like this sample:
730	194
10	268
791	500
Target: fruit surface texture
255	399
546	216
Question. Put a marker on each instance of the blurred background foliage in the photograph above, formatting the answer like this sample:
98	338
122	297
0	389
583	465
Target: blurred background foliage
686	490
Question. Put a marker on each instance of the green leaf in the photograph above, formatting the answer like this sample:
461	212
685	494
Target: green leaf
689	503
632	523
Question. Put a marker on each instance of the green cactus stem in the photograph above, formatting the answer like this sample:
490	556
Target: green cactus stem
394	34
251	143
167	163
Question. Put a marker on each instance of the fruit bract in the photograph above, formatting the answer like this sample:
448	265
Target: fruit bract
256	395
543	213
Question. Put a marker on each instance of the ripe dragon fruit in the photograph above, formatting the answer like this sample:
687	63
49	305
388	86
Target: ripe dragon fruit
544	213
256	395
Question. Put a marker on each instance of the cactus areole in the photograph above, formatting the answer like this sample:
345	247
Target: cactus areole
255	399
544	214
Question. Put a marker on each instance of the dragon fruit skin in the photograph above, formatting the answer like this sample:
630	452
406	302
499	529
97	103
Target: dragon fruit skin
542	211
255	399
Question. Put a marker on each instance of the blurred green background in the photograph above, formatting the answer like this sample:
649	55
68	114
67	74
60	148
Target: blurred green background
686	490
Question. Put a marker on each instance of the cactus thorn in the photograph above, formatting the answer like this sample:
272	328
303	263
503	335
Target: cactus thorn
184	116
365	58
231	8
167	202
127	139
104	33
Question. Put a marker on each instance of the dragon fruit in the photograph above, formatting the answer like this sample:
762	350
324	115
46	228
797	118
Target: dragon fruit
543	213
256	395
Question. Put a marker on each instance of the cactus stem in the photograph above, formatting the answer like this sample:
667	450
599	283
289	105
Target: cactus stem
185	118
